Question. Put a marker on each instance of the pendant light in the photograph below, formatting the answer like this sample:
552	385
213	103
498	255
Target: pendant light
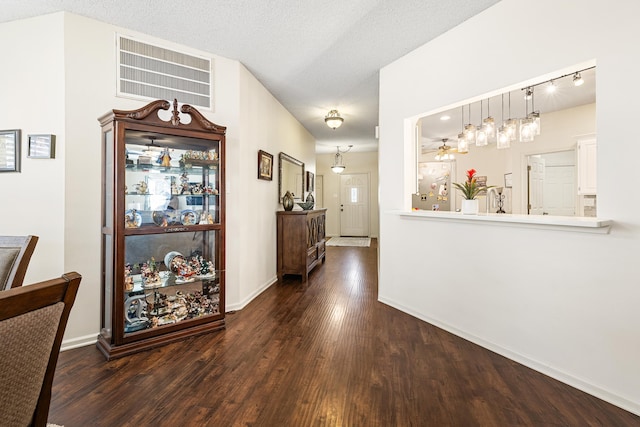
489	124
535	115
463	144
510	124
338	163
527	131
470	130
502	139
481	134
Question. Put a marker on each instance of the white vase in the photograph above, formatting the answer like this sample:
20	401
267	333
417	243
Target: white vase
470	207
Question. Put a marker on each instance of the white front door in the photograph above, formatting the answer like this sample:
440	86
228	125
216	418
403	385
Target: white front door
536	185
354	204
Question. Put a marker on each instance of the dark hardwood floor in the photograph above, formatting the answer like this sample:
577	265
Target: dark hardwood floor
325	354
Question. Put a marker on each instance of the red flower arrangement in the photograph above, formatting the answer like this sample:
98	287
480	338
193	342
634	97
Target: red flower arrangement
470	188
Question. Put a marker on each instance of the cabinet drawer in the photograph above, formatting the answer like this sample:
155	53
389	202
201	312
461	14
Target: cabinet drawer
312	255
321	247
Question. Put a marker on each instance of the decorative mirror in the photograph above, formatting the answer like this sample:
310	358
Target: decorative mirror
291	177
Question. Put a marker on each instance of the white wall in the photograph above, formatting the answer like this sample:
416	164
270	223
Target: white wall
63	80
358	162
564	303
32	87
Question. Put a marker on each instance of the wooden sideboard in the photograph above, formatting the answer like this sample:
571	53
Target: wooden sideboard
301	241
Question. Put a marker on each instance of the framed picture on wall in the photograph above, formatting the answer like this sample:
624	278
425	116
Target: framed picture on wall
10	150
310	182
481	181
42	146
265	165
508	180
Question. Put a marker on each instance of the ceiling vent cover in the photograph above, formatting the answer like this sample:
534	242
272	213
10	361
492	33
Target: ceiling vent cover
146	72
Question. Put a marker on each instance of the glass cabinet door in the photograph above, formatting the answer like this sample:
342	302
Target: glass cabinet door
168	183
170	278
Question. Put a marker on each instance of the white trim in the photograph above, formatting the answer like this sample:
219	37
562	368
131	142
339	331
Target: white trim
547	222
552	372
242	304
79	342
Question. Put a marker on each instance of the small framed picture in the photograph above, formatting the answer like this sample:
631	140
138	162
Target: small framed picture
265	165
10	150
42	147
481	181
310	182
508	180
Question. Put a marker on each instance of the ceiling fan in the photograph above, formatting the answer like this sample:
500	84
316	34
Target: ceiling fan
445	151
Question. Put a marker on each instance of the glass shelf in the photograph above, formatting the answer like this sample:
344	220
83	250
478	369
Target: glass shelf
188	167
148	308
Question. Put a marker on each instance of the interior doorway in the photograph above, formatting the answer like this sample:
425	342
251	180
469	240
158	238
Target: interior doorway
552	184
354	205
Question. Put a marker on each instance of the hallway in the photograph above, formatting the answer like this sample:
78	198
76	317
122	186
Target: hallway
325	354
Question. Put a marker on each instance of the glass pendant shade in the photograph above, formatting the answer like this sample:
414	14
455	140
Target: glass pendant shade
481	137
535	116
470	133
503	140
489	126
511	126
527	130
463	144
338	164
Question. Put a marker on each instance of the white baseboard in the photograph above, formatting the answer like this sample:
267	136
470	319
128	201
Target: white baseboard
559	375
242	304
79	342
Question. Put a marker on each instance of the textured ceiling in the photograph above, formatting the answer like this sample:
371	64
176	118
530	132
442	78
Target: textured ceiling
312	56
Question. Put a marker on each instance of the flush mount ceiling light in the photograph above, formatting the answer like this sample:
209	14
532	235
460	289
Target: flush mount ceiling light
333	119
338	164
577	79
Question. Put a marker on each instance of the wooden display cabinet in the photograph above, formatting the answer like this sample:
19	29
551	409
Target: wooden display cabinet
163	227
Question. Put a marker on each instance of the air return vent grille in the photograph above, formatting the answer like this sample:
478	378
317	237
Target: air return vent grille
152	72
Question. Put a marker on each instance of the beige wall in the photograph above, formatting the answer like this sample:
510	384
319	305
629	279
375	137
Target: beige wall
366	162
61	80
561	130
